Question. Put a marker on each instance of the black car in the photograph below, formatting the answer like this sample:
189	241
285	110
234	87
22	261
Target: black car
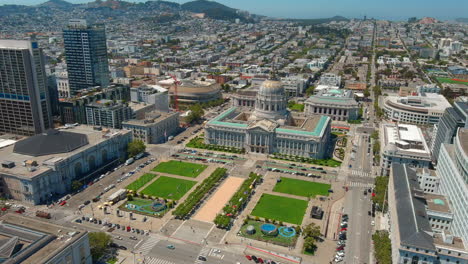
114	245
87	202
202	258
122	248
254	258
365	192
78	220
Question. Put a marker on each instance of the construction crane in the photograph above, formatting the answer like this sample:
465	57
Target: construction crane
176	98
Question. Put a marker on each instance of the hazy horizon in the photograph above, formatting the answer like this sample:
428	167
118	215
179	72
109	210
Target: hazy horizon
394	10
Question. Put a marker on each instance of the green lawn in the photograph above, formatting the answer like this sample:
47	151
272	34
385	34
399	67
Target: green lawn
180	168
280	208
301	188
170	188
140	182
297	107
449	80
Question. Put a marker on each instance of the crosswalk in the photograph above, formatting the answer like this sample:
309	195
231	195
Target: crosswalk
146	247
361	173
203	252
214	252
151	260
360	184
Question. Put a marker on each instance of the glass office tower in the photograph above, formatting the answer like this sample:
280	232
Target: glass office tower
86	55
24	101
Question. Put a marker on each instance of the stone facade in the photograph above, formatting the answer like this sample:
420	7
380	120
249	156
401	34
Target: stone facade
270	127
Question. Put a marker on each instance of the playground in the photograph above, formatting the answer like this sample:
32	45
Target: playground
280	235
146	206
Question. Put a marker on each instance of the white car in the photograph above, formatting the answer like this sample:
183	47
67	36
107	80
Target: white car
372	223
337	259
340	254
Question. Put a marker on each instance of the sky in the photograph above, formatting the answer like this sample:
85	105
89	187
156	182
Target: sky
381	9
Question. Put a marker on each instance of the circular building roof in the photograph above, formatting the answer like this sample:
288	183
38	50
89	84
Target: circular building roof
50	142
271	87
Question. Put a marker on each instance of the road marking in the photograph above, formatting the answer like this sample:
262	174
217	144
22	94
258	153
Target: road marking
139	242
148	245
179	227
151	260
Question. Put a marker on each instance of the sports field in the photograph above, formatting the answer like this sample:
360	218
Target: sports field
140	182
169	188
452	80
180	168
301	188
280	208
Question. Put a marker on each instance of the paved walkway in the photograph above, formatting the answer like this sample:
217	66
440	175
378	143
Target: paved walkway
219	199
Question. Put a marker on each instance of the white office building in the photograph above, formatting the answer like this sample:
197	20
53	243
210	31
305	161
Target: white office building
403	144
423	109
453	172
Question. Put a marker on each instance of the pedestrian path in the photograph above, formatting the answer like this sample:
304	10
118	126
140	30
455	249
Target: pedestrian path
146	247
151	260
361	173
360	184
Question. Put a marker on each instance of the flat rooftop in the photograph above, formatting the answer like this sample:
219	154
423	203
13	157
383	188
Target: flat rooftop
151	119
94	137
437	203
402	134
43	238
427	101
14	44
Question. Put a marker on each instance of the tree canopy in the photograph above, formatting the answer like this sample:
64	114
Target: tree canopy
135	147
98	242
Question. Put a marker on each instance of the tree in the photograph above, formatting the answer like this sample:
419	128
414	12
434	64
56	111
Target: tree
311	231
383	247
76	185
135	147
195	114
366	93
309	244
99	242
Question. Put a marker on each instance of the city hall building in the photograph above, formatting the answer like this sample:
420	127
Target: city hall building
268	127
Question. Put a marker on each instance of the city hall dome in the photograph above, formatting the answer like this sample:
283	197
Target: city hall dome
271	87
271	102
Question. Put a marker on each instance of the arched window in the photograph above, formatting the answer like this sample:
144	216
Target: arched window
78	169
92	162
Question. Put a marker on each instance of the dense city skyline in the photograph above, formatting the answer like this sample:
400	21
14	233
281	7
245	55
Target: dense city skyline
395	10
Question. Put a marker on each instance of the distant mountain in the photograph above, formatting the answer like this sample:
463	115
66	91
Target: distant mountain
315	21
56	4
212	10
200	6
462	20
60	11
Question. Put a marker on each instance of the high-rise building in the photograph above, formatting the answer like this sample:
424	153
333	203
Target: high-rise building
453	118
24	101
452	170
86	55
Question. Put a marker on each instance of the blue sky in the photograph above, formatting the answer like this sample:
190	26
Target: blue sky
384	9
